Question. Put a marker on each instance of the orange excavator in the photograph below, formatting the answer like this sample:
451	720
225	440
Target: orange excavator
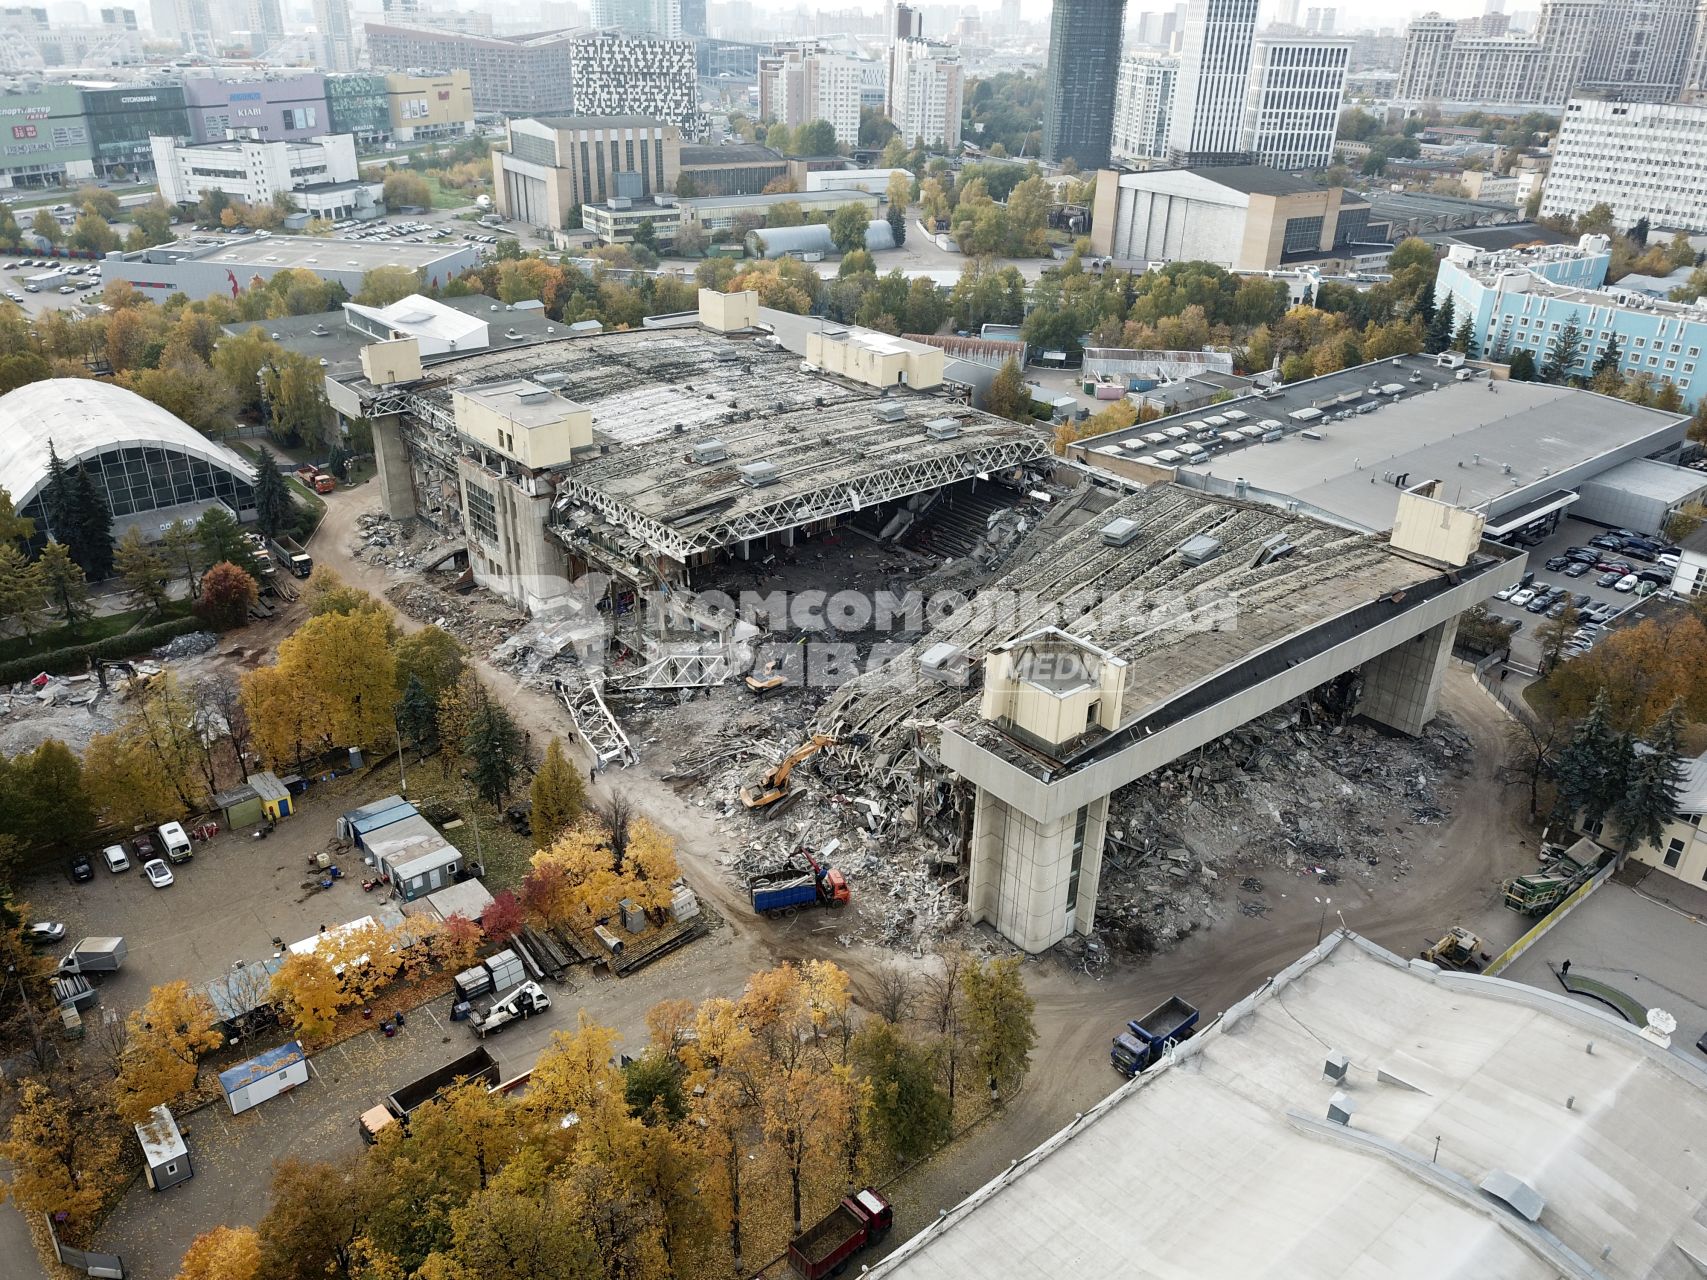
772	785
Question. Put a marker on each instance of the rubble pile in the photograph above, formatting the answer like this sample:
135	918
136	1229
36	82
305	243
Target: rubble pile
400	544
479	620
1278	800
72	709
187	646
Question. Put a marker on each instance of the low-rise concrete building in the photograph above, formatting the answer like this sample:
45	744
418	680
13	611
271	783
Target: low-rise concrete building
1466	1125
552	165
1241	217
252	169
201	266
422	106
721	213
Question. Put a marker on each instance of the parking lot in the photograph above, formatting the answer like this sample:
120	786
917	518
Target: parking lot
81	277
1525	645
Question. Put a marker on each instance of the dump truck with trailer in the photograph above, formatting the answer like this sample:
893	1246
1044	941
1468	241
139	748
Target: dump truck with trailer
791	887
288	552
94	955
824	1248
1145	1039
475	1065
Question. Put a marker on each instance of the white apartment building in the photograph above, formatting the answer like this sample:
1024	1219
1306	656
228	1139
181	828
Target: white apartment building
1645	159
1695	72
320	175
926	93
614	75
1143	101
1214	71
798	86
1292	112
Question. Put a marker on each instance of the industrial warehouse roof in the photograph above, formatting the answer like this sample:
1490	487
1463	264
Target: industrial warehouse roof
1166	630
1486	446
81	418
1474	1101
307	252
1256	180
698	157
1658	480
656	393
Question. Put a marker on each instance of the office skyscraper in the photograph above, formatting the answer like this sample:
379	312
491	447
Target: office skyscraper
1084	67
1214	75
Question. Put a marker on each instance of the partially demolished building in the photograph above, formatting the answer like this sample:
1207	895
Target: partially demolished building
606	481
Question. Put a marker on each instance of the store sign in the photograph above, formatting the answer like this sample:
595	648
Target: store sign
245	97
23	131
137	101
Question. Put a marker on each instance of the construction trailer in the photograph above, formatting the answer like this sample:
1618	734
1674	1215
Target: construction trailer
165	1157
264	1077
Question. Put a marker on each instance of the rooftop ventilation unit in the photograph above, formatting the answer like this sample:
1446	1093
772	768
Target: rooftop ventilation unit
891	412
533	395
946	664
1276	546
942	429
832	333
1341	1108
708	451
1336	1066
555	378
1516	1194
1200	548
759	475
1117	533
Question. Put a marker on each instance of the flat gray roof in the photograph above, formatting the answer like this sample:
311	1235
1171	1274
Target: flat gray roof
1221	1162
305	251
1658	480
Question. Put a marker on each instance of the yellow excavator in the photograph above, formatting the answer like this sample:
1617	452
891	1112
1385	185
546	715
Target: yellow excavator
772	785
770	678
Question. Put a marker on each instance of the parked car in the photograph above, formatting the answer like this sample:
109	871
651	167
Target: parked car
1576	569
1668	560
1606	542
1626	583
82	869
1620	567
1583	554
158	873
1558	610
1540	604
1579	602
1638	552
1557	562
115	858
1506	593
1521	598
44	933
144	848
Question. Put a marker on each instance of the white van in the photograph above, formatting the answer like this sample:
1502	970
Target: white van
114	856
174	842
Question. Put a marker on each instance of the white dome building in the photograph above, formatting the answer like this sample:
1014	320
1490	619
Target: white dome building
143	459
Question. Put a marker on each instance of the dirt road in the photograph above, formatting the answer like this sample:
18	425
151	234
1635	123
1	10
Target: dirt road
1455	880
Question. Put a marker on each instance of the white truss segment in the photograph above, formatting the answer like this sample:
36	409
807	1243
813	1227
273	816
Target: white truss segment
791	511
593	720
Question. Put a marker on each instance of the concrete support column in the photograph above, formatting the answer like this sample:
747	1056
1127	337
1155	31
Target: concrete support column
1401	688
396	477
1020	871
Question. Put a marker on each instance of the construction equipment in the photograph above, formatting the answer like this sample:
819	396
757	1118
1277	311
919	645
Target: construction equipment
771	678
824	1248
1457	949
773	784
777	893
1561	872
1146	1039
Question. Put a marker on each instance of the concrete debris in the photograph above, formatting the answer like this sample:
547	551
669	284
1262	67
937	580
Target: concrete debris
187	646
400	544
478	619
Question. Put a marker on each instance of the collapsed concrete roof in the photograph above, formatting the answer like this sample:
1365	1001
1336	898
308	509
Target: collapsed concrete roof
1494	1130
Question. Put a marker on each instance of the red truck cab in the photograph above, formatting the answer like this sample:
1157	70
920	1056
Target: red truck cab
836	887
859	1220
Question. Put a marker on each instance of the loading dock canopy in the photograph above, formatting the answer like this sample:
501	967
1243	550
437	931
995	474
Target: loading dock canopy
1529	512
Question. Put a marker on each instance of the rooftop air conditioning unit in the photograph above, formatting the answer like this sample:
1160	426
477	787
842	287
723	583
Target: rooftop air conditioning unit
1200	548
942	429
708	451
759	475
1117	533
533	395
946	664
553	378
891	412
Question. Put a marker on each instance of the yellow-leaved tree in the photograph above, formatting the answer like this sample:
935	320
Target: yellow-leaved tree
308	990
332	686
166	1041
225	1253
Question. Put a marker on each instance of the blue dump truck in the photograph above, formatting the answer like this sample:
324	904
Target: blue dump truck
1145	1039
788	888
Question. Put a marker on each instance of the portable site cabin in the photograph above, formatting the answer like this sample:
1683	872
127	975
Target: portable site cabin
242	997
165	1158
357	824
265	1076
240	807
273	793
414	857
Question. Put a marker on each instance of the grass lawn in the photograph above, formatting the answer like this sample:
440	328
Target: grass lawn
99	628
449	199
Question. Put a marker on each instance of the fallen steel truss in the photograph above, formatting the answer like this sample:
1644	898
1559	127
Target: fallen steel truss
593	719
719	525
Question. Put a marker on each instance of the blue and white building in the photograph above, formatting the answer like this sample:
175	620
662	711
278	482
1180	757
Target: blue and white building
1520	300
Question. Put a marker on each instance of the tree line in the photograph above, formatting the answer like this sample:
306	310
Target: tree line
739	1122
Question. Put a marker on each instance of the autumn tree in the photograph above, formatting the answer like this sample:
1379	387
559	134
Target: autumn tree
558	795
432	655
22	591
167	1039
332	685
311	1222
182	553
46	799
308	991
1007	396
224	1253
63	583
62	1160
999	1019
225	596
